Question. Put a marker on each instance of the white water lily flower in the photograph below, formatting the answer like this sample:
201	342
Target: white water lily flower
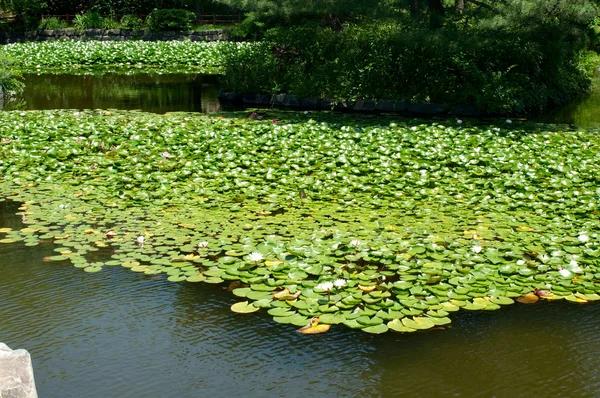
574	267
477	249
520	262
584	238
564	273
458	121
203	245
355	243
508	121
140	239
326	286
255	256
339	283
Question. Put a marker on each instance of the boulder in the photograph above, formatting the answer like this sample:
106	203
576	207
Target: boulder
16	374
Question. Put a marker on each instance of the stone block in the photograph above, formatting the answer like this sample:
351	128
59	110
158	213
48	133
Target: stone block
385	106
113	32
427	109
344	106
309	103
326	104
278	100
47	33
93	32
363	105
230	96
291	101
402	107
251	100
466	110
16	374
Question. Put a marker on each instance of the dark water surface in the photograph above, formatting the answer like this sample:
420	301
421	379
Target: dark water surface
117	333
199	93
149	92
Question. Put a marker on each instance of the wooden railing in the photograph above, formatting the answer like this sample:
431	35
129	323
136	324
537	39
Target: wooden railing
201	19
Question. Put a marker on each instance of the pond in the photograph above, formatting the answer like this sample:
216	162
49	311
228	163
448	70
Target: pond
199	93
117	333
156	93
120	333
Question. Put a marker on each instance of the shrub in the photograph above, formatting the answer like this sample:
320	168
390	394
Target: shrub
90	20
508	71
131	22
170	19
10	79
52	23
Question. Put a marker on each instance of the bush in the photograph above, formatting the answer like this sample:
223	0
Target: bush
131	22
10	80
52	24
90	20
509	71
170	19
28	12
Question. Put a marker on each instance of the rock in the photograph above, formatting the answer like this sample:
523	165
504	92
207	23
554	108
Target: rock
16	374
363	105
309	103
291	101
93	32
466	110
427	109
278	100
259	100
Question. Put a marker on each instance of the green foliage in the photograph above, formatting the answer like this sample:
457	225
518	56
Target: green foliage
52	23
401	223
89	20
10	78
85	56
497	70
131	22
28	12
170	19
250	68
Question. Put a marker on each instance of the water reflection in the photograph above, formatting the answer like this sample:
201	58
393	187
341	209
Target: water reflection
148	92
583	111
118	333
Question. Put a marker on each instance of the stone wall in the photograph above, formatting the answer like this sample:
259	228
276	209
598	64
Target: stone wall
286	101
110	35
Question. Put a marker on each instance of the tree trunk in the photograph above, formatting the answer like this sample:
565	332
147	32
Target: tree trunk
436	6
459	5
414	8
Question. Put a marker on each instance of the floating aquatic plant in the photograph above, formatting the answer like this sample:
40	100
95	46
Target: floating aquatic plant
374	225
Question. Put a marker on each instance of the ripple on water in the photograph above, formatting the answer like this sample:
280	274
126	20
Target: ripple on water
118	333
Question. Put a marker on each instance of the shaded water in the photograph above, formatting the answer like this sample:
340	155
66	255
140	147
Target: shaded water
583	111
117	333
150	92
199	93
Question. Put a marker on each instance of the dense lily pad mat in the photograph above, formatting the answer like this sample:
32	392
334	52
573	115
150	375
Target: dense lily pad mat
371	224
96	56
